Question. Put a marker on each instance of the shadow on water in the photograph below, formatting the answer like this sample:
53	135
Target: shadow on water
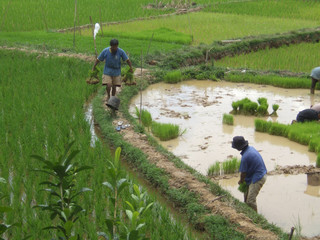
284	200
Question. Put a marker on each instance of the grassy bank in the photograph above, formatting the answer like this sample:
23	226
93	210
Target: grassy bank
185	201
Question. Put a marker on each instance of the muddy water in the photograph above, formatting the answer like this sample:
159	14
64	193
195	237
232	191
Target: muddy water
90	120
286	201
198	107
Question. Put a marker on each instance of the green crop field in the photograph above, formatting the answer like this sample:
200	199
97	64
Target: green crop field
42	109
209	27
308	10
295	58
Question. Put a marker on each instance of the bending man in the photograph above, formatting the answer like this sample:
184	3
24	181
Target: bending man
252	169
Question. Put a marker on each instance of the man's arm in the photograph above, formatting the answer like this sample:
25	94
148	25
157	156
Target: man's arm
95	64
242	177
130	65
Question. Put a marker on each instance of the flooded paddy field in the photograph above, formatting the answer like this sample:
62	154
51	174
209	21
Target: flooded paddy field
198	107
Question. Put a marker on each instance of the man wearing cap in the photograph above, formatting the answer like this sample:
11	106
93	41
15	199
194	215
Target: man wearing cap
112	68
252	170
308	115
315	77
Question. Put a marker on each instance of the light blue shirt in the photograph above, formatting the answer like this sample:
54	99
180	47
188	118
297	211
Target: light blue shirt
112	66
252	164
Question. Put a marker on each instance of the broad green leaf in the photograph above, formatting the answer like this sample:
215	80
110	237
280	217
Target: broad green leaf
68	227
130	205
136	189
2	180
129	214
109	186
70	157
121	184
140	226
63	215
133	235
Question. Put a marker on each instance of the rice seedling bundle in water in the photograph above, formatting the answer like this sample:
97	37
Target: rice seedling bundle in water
165	131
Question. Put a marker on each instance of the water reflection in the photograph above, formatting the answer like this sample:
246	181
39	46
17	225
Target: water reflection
284	200
90	120
206	102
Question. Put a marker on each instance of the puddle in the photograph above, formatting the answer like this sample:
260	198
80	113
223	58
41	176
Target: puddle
286	201
198	107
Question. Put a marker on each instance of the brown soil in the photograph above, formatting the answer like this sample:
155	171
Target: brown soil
181	178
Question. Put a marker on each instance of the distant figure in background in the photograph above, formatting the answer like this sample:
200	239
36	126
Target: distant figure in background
252	168
316	107
112	68
308	115
315	77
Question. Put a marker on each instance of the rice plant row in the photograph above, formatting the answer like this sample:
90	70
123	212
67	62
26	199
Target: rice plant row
294	58
42	110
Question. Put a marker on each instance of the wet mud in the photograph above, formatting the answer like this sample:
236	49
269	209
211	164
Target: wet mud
198	108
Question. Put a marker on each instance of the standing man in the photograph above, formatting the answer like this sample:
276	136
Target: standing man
252	170
112	68
315	77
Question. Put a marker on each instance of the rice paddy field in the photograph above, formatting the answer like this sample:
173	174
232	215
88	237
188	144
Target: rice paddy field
295	58
43	98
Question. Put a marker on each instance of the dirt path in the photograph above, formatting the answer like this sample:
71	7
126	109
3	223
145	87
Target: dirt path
181	178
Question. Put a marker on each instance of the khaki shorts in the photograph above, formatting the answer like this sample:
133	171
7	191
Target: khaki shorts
114	80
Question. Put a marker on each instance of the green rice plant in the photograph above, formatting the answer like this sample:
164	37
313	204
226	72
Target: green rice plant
165	131
262	110
274	80
278	129
262	125
262	101
275	107
173	77
243	187
214	169
250	108
231	165
145	116
291	57
318	161
227	119
62	190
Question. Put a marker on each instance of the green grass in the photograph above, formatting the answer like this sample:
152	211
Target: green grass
272	8
229	166
214	169
28	15
57	42
165	131
208	27
294	58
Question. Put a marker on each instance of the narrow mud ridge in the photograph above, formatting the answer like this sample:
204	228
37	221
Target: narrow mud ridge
181	178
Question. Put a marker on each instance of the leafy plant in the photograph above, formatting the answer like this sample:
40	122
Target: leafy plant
115	185
3	209
214	169
231	165
62	191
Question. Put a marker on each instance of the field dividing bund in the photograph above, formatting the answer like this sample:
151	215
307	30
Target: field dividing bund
43	109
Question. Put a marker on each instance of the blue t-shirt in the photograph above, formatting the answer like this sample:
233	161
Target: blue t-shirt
252	164
113	61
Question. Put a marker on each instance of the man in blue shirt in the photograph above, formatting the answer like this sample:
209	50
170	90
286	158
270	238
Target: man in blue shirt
315	77
252	170
112	69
